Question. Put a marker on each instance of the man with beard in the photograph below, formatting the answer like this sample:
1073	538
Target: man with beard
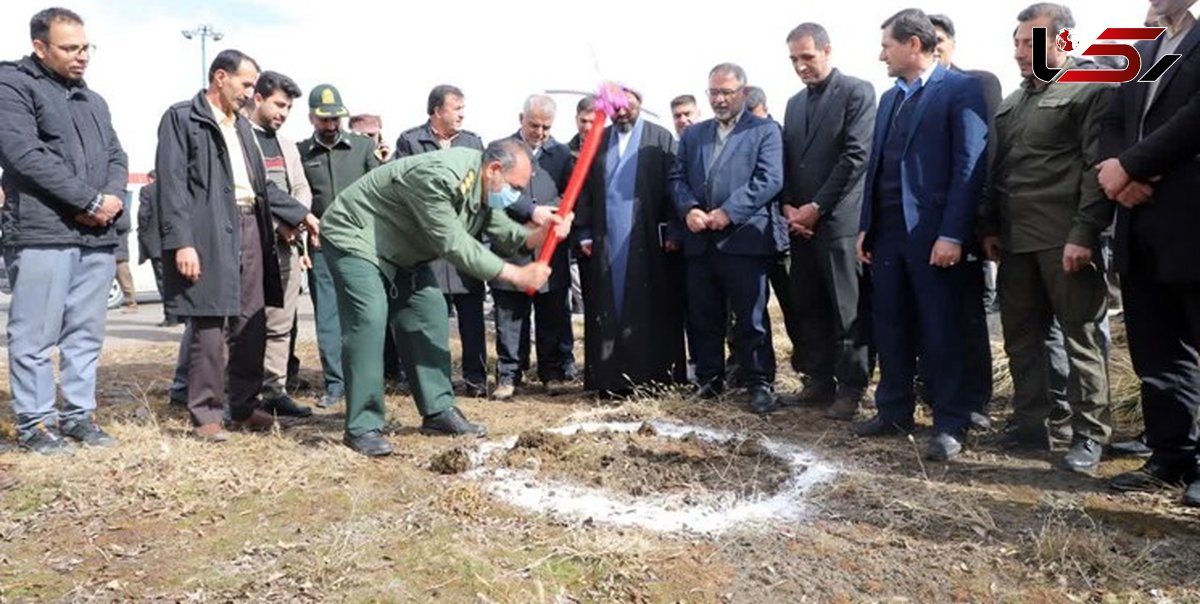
629	241
64	177
216	207
728	172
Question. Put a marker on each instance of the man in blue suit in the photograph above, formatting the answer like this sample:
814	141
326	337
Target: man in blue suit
727	171
923	186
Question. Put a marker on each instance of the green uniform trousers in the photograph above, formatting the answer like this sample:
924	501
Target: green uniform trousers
413	307
1033	289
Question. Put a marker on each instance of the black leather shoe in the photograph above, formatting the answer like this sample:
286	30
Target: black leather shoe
472	389
371	444
878	426
330	399
450	423
1084	456
845	407
1151	477
816	394
710	390
286	406
1018	436
45	440
87	432
1131	448
980	421
762	400
944	447
1191	495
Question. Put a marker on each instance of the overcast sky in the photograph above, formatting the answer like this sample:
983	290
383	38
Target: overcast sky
384	57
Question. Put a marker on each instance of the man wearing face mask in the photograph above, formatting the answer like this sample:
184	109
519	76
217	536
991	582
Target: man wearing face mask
381	235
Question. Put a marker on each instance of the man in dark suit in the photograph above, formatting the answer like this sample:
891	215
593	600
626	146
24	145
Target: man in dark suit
727	172
465	293
922	188
826	141
1150	139
551	164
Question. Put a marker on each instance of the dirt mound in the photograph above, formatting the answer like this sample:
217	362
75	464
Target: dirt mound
643	463
454	461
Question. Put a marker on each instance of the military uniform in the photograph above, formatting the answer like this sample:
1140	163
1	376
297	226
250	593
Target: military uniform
330	170
381	236
1043	194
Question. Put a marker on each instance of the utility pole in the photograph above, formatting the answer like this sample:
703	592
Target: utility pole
204	32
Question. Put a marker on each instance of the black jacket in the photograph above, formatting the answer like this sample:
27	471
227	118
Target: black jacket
58	150
196	208
149	242
551	171
1162	232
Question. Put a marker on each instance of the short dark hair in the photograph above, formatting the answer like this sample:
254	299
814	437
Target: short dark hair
943	23
505	151
586	104
271	81
365	117
683	99
912	22
229	61
755	97
437	96
1060	16
39	25
815	31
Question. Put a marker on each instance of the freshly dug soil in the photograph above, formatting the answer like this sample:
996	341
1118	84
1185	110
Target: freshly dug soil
643	463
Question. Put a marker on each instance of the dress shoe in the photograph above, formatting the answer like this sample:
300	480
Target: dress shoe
258	421
505	389
450	423
845	407
1191	494
371	444
330	399
762	400
879	426
285	406
1019	436
556	387
944	447
816	393
980	421
45	440
87	432
472	389
711	390
213	433
1084	456
1151	477
1131	448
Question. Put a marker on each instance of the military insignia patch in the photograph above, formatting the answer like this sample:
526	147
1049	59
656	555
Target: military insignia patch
468	183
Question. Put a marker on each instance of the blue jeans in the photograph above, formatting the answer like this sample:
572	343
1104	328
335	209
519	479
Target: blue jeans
59	298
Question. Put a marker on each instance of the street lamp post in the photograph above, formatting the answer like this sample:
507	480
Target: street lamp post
204	32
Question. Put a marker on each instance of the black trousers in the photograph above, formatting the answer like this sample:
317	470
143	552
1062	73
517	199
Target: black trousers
226	353
1163	323
552	333
468	309
718	284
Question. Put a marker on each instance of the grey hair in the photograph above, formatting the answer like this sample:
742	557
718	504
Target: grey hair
755	97
539	103
506	151
732	69
819	36
1060	16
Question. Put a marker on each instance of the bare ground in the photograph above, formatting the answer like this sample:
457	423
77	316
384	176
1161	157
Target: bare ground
295	516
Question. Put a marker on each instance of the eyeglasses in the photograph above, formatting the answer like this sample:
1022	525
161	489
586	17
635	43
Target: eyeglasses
75	49
717	93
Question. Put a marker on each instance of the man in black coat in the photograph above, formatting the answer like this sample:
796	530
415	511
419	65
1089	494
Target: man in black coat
1150	139
64	177
150	243
826	141
464	293
215	207
552	164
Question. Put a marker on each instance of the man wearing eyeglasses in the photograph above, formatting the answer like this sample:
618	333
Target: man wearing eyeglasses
551	169
726	173
64	175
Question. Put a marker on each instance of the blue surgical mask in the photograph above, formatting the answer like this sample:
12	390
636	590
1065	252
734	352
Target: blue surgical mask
502	199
